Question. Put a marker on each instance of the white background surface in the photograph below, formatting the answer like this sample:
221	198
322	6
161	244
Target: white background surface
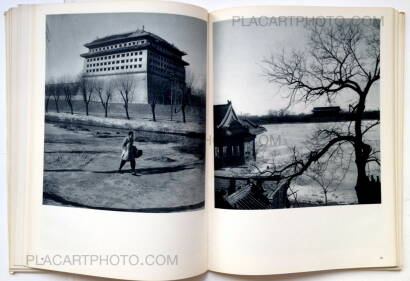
350	275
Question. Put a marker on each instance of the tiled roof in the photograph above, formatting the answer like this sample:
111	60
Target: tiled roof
220	111
246	199
224	115
130	35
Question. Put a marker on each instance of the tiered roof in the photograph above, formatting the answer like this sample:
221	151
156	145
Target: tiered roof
226	119
127	36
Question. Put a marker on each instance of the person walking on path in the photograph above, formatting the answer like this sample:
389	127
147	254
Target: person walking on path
128	152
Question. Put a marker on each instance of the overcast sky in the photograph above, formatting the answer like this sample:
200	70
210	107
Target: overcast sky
238	75
68	34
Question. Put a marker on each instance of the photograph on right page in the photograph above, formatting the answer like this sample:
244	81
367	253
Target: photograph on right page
296	112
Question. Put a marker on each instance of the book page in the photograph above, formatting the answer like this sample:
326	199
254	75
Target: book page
117	134
18	58
303	109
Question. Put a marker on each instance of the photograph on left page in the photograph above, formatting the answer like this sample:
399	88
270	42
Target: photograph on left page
125	112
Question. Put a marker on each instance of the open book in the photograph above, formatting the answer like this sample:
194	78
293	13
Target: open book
157	140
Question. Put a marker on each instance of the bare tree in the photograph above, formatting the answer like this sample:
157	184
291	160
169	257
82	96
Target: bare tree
153	104
161	87
56	93
126	87
186	93
180	96
341	58
69	89
49	89
181	93
328	175
190	80
172	94
200	90
87	88
187	89
105	91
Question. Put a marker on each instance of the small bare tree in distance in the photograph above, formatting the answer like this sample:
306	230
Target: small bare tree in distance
126	85
49	88
87	88
70	89
161	87
105	91
328	176
153	104
56	93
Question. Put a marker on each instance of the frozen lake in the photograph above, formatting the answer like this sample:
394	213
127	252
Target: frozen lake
274	146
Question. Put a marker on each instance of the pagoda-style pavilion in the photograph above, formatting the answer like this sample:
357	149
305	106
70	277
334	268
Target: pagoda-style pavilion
234	139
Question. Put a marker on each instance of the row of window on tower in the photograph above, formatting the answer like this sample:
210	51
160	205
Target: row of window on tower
128	54
122	67
89	65
116	46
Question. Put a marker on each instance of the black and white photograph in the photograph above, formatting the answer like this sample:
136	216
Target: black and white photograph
125	112
296	113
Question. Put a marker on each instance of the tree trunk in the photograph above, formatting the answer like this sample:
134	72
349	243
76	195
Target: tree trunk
153	112
106	110
366	192
47	102
56	102
126	111
183	113
70	105
361	183
86	108
285	198
171	103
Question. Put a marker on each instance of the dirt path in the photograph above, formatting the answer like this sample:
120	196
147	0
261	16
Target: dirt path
80	170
